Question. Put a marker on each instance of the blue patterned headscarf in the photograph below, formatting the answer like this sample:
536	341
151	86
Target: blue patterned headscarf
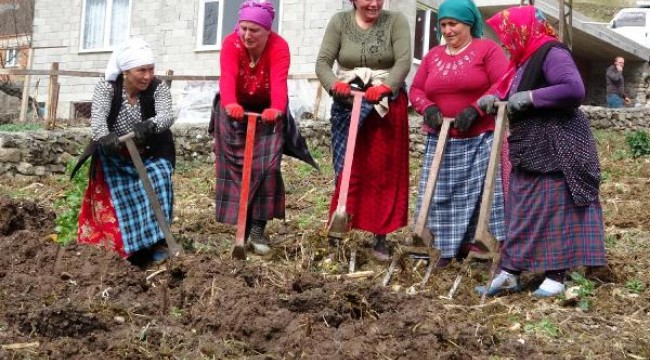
464	11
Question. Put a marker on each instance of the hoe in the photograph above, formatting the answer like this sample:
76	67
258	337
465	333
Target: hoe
339	225
483	236
422	237
239	248
173	248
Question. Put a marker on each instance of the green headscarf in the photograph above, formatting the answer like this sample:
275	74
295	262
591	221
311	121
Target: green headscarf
464	11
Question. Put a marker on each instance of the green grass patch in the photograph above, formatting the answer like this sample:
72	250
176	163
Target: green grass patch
585	291
635	286
638	142
543	327
20	127
67	207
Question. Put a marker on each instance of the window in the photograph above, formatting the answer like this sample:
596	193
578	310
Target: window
105	23
629	19
426	31
218	18
11	58
81	109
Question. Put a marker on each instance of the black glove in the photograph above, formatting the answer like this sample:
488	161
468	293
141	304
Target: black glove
432	117
143	129
487	104
110	143
466	118
520	102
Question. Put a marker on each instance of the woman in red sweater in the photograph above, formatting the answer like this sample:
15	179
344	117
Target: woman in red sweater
254	69
449	81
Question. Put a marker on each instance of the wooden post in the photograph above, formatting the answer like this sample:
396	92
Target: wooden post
169	82
566	22
319	95
52	95
27	79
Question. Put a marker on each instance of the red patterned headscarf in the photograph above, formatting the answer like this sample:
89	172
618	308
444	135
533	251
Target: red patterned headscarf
522	30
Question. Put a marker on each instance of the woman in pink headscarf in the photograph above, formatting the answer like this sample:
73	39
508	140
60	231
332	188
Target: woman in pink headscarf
554	216
254	69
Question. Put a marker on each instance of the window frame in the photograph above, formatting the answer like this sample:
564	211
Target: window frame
220	31
201	23
106	47
427	34
9	60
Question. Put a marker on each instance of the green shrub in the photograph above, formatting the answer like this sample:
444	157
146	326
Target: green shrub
635	286
639	143
67	207
543	327
585	291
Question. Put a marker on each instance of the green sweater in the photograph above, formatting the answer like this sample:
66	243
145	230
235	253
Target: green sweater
386	45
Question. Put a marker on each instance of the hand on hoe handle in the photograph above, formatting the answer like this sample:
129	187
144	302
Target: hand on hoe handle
340	90
235	111
374	94
520	102
487	104
432	117
110	143
466	118
270	115
143	129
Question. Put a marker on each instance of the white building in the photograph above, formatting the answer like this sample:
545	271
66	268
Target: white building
185	36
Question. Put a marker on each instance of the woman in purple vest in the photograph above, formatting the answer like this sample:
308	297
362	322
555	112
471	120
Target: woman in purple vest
554	219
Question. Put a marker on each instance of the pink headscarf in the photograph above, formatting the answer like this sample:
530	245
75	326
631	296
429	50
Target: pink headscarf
260	12
522	30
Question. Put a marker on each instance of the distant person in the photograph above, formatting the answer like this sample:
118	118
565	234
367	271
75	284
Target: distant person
616	96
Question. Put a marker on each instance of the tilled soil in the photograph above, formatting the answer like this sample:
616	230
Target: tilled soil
91	304
81	302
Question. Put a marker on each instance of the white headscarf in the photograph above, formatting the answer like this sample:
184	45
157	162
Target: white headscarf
128	55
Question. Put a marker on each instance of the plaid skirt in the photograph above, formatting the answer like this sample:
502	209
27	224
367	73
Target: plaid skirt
266	192
454	209
546	230
136	219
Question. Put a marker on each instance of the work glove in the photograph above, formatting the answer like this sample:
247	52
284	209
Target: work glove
374	94
520	102
143	129
466	118
340	90
432	117
110	143
487	104
235	111
271	115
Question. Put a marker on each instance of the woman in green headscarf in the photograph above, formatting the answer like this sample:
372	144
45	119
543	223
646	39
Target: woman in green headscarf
449	81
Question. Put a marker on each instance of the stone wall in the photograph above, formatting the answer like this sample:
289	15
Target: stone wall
41	153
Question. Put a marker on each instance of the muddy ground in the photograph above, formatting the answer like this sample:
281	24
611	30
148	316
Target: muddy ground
80	302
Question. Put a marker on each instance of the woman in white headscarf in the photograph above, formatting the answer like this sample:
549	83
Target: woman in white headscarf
116	212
